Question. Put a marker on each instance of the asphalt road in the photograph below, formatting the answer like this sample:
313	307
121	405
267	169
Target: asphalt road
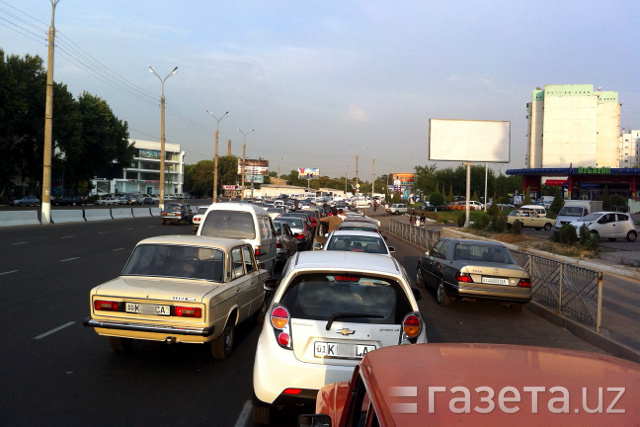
56	372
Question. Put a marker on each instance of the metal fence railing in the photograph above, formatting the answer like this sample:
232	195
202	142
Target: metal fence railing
572	290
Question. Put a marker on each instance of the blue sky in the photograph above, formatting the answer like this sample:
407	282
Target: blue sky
322	81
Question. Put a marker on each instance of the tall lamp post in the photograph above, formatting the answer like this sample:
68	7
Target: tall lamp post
244	149
162	155
356	150
373	173
48	125
215	157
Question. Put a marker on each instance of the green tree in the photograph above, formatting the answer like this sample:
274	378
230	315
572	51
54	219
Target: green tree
527	197
557	204
475	196
436	199
450	195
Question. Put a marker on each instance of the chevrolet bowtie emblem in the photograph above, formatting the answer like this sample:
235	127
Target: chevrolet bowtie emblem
345	331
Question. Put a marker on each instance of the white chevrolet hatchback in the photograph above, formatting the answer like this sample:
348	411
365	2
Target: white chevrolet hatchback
329	310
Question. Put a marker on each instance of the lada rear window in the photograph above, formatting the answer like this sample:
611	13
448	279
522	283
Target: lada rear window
229	224
368	299
471	252
191	262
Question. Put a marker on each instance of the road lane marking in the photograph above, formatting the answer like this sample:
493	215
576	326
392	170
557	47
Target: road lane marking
68	237
19	243
8	272
118	249
70	259
244	415
54	330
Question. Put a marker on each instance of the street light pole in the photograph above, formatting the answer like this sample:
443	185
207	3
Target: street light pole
244	148
162	138
215	157
373	173
48	125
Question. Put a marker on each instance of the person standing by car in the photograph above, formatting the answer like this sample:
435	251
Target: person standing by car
334	220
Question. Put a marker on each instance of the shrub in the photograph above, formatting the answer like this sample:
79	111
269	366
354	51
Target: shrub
482	222
587	240
461	219
498	224
493	210
516	227
436	199
568	235
556	205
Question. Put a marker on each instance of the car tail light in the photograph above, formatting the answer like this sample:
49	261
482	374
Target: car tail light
188	311
524	283
299	236
346	278
105	305
279	245
464	277
280	322
411	325
257	251
292	391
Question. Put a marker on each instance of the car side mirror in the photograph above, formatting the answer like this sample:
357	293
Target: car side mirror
271	285
427	252
416	294
391	249
315	420
317	246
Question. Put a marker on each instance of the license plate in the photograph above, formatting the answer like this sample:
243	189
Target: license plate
340	350
159	310
495	281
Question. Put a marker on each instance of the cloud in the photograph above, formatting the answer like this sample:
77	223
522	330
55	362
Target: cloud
356	114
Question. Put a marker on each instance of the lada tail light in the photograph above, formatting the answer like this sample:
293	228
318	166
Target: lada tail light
524	283
411	326
105	305
464	277
257	251
299	236
280	321
188	311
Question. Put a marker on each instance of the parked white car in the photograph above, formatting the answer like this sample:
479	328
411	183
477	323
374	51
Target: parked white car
610	225
398	209
330	309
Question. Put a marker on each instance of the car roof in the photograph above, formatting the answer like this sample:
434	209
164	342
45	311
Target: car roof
363	233
473	242
240	207
193	240
496	366
346	260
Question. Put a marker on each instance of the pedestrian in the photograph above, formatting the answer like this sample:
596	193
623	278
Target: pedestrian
333	221
423	219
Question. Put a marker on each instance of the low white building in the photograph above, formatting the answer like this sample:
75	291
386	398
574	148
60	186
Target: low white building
143	175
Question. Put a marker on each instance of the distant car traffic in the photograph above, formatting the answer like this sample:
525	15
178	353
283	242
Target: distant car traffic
329	310
300	229
287	244
179	213
107	201
474	269
398	209
608	225
69	201
181	289
27	201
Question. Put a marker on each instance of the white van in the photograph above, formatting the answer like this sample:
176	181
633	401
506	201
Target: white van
243	221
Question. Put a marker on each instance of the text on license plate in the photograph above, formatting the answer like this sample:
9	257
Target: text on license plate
348	351
495	281
159	310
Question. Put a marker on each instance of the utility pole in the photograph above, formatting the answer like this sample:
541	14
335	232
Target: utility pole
48	125
215	158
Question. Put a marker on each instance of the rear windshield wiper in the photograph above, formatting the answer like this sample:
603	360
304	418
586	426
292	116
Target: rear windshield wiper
336	316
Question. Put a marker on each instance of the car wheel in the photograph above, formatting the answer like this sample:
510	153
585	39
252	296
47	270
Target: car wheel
441	295
631	236
547	227
261	414
120	344
595	235
221	346
262	312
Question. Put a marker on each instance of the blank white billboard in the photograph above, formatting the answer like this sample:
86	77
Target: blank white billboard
469	140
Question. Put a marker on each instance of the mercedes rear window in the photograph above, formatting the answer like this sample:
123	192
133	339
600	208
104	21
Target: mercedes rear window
229	224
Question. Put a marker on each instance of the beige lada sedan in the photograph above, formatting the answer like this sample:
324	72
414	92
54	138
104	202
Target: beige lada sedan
181	289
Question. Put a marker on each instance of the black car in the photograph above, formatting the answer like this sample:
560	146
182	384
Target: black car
179	213
69	201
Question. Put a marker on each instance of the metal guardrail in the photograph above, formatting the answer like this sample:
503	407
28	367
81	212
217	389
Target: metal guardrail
570	289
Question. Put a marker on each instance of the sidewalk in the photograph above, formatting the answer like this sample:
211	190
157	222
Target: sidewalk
620	332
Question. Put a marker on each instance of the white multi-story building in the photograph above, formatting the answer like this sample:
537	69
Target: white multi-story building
573	125
143	175
630	149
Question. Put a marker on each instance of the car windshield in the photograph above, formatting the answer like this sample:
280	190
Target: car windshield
368	244
191	262
230	224
571	211
173	207
489	253
590	217
321	296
